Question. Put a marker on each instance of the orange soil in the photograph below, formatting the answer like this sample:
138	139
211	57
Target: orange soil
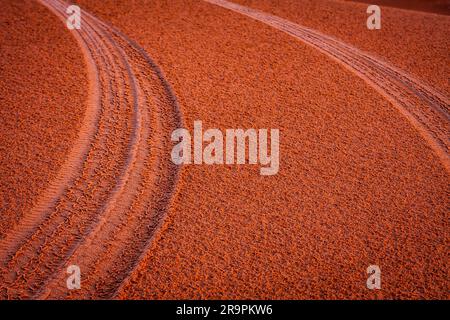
359	183
42	95
412	41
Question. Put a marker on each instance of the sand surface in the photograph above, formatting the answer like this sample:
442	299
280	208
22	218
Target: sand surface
87	177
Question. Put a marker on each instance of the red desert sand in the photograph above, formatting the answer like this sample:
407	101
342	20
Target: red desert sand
87	177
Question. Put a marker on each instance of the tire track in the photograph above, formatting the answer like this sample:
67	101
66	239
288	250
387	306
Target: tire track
35	250
425	108
73	164
113	186
108	263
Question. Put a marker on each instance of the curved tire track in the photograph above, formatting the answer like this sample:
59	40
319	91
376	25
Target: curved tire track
426	109
104	217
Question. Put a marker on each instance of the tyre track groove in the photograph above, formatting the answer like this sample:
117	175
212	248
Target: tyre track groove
48	231
112	261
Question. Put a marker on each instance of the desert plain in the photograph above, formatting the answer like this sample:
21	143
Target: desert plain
87	177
